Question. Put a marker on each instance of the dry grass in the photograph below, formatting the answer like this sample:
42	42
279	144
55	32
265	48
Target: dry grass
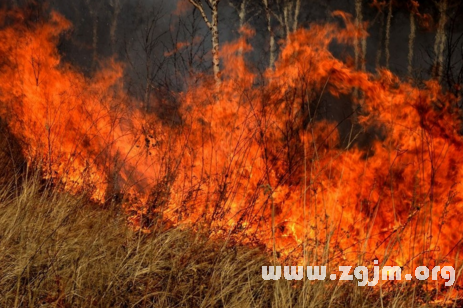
59	250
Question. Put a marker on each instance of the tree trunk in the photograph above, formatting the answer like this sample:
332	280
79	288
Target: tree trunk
411	42
242	18
112	30
242	13
213	26
286	18
379	52
271	34
290	16
359	46
215	41
296	14
439	44
93	13
388	33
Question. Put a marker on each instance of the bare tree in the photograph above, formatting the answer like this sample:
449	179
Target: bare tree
439	43
380	19
272	45
93	8
145	54
241	8
411	38
286	13
453	52
116	5
388	33
213	25
189	52
360	47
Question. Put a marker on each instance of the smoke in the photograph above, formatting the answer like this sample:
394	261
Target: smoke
114	28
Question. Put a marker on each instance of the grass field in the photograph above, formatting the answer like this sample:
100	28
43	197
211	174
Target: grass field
60	250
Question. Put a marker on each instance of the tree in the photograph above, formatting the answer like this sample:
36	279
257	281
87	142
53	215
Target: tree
93	8
359	47
145	53
452	70
439	43
272	44
243	8
116	5
286	12
411	39
213	25
388	32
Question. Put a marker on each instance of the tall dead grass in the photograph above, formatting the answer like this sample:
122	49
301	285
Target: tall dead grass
59	250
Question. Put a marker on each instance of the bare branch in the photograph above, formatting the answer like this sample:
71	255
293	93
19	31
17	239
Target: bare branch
203	14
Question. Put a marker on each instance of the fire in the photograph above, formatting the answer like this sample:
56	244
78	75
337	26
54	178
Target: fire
253	160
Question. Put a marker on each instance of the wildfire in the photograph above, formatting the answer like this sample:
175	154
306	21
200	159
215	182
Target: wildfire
253	162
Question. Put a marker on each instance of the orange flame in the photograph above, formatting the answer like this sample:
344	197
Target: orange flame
251	161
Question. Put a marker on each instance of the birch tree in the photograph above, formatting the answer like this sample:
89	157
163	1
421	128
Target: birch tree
213	25
286	13
272	46
241	9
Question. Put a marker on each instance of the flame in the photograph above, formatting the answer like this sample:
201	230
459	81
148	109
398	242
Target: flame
251	161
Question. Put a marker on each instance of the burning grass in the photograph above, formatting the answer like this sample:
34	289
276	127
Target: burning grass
251	162
60	250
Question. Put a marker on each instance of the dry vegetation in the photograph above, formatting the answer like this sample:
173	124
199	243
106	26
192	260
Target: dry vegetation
60	250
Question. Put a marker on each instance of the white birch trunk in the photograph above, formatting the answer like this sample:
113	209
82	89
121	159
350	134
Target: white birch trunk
288	19
242	12
242	20
272	46
297	9
213	26
215	41
291	11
